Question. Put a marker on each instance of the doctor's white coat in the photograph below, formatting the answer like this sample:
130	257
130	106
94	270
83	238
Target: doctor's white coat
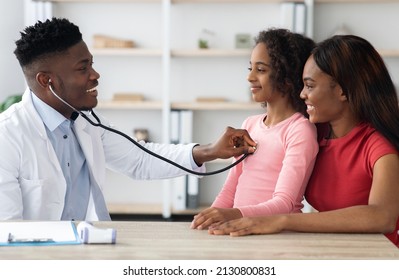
32	185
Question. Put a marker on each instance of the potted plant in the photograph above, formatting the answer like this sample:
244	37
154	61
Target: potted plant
9	101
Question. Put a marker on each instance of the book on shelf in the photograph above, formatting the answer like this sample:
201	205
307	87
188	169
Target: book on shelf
192	198
185	189
293	16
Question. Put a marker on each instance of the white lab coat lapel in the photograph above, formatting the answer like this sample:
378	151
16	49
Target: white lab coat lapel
37	122
33	119
91	150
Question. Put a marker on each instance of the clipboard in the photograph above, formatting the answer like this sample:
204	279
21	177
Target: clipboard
38	233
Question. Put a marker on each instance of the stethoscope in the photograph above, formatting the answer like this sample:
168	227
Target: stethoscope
98	123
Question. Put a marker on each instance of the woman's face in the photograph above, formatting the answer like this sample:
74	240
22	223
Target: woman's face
323	96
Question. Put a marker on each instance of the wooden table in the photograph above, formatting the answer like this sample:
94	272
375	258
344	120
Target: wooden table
176	241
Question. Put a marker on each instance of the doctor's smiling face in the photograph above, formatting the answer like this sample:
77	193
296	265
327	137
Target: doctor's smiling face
73	78
54	56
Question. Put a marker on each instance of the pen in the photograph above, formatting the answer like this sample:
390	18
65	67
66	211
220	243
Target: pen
12	239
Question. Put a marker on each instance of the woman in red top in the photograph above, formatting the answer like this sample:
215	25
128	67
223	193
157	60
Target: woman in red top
355	182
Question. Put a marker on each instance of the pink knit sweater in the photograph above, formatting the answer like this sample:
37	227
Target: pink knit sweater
273	180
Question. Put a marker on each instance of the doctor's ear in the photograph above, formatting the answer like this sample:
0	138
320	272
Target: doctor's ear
43	79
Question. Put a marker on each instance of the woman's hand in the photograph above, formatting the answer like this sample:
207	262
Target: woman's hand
249	225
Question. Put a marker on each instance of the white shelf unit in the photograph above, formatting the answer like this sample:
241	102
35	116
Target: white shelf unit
172	72
126	52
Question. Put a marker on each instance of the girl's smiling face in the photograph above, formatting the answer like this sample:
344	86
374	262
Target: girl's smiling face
259	74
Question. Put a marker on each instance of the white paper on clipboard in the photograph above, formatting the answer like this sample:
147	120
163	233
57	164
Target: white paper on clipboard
38	233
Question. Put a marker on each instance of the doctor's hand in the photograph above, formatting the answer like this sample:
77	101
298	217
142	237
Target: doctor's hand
212	216
233	143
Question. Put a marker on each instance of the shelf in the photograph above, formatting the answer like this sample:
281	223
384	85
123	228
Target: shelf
195	52
157	105
129	208
172	1
217	1
389	53
151	209
141	105
212	53
356	1
99	1
174	53
126	52
220	106
229	1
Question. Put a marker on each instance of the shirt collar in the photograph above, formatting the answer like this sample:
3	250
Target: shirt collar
50	117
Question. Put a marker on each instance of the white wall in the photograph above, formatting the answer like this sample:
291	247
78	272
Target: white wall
376	22
11	22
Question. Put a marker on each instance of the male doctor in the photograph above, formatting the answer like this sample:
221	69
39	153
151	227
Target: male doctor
53	162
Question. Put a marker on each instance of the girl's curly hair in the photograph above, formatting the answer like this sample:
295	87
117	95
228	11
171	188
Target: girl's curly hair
288	53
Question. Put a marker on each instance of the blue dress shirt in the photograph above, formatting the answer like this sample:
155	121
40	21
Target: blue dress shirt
61	133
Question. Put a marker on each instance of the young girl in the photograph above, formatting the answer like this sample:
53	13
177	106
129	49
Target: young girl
273	180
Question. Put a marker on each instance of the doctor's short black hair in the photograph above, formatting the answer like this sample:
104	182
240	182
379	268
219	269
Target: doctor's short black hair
44	39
